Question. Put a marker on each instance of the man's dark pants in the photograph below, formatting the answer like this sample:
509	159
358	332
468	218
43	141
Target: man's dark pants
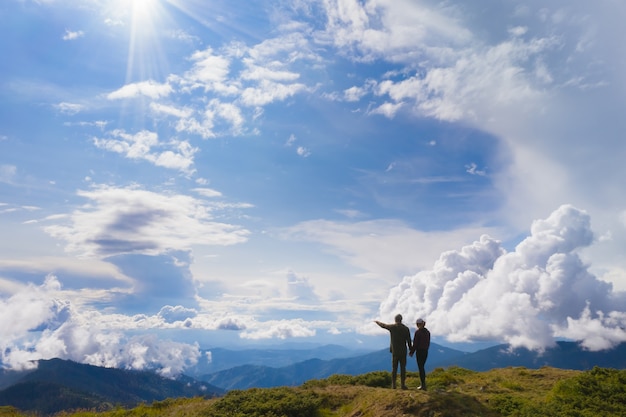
395	361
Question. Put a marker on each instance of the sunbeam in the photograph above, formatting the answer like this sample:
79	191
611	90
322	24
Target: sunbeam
146	59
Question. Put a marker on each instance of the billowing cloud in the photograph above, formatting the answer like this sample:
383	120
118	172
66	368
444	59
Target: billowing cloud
171	314
529	297
231	323
37	323
131	220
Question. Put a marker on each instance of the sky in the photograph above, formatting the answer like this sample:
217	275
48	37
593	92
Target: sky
177	175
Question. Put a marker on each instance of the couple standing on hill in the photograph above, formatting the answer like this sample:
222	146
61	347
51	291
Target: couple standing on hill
400	339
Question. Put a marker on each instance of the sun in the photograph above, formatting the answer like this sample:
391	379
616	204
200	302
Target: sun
144	53
143	10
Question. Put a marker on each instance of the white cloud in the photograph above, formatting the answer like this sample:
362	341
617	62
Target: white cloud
72	35
209	72
387	109
473	170
382	249
395	30
303	152
300	288
477	82
171	314
279	329
354	93
254	72
266	92
36	323
149	88
131	220
207	192
69	108
141	145
183	113
529	297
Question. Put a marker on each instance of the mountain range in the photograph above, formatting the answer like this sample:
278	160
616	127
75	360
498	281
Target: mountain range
61	385
565	355
58	385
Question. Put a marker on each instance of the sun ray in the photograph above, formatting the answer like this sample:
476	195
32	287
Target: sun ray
146	59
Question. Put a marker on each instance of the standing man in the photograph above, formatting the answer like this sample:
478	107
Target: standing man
400	339
421	343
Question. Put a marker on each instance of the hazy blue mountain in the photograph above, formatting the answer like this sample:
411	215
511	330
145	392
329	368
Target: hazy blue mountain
9	377
218	359
565	355
63	385
263	376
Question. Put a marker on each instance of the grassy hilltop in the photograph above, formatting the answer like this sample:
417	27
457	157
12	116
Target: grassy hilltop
452	392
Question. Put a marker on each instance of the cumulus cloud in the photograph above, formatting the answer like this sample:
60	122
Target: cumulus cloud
209	72
527	298
131	220
175	154
171	314
37	323
231	323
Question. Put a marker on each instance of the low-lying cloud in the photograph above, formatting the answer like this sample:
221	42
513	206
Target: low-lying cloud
43	326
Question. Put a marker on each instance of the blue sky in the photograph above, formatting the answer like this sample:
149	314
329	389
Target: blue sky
181	174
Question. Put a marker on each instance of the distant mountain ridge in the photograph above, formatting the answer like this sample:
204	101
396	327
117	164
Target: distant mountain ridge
218	359
565	355
265	376
58	385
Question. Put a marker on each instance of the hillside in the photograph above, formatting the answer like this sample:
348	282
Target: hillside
565	355
61	385
453	392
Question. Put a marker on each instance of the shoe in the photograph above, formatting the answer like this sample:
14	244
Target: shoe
421	388
405	387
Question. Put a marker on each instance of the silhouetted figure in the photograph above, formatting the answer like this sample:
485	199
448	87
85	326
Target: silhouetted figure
421	343
400	340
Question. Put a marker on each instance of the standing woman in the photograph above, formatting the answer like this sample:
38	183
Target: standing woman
421	343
